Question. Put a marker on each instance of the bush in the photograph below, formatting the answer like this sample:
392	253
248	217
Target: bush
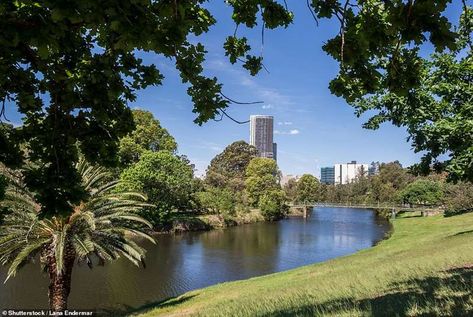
216	200
167	181
272	204
423	192
459	199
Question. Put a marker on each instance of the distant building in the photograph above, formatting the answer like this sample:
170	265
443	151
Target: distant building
275	151
261	135
373	169
286	178
327	175
347	173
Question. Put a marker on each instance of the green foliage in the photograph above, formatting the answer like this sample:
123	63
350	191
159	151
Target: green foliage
423	192
3	186
307	189
272	204
167	180
459	198
217	200
227	169
391	179
290	189
381	188
148	135
10	152
260	166
260	178
378	44
256	186
433	101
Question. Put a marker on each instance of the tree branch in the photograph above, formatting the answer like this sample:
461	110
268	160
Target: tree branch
312	13
223	113
241	103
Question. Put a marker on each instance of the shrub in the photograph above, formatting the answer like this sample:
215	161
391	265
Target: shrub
272	204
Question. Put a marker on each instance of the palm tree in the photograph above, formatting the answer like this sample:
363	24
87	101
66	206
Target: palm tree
100	228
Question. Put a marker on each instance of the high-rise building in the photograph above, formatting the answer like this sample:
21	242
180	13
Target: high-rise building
346	173
327	175
261	135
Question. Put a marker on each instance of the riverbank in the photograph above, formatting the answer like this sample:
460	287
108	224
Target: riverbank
182	222
425	268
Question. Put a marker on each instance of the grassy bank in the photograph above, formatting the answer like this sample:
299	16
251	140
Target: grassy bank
425	268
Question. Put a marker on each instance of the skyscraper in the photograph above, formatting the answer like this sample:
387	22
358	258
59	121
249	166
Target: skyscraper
327	175
261	135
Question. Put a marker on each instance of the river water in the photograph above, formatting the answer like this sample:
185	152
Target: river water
179	263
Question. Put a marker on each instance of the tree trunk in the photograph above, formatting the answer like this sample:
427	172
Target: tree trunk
59	282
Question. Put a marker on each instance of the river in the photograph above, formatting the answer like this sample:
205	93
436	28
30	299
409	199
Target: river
179	263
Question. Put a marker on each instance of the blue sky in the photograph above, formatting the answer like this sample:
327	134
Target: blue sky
313	128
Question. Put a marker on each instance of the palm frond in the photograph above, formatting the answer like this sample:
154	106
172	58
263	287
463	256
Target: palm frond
22	257
103	225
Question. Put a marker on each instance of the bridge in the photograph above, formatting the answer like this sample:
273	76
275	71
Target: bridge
304	208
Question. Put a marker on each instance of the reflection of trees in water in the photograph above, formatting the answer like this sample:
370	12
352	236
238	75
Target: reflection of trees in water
120	283
28	290
246	240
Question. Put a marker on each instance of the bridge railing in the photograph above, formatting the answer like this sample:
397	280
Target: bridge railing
349	204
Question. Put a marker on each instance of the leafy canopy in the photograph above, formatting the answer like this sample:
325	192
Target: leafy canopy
229	167
431	97
307	188
273	204
423	192
166	179
260	178
216	200
148	135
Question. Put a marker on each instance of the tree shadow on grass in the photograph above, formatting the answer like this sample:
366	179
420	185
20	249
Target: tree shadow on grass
449	294
404	214
463	232
128	310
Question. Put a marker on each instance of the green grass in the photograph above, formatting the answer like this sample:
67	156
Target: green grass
424	269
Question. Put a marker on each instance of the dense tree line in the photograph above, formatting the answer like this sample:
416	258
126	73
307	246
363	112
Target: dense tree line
237	181
392	185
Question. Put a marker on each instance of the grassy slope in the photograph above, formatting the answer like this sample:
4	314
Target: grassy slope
426	267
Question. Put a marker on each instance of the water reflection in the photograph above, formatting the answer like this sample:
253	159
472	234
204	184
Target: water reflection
193	260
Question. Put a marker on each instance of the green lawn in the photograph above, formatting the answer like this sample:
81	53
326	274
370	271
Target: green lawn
425	268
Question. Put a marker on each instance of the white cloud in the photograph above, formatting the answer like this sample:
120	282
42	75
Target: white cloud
209	146
290	132
268	106
284	123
